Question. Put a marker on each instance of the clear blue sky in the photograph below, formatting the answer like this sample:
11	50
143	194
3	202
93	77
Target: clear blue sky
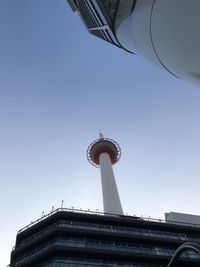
58	87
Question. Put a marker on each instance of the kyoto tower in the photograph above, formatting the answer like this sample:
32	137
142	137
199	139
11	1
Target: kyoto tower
104	153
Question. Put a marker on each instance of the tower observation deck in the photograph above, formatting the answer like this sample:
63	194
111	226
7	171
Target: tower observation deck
104	153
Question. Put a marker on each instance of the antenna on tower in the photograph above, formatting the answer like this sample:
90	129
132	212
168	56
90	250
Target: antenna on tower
100	135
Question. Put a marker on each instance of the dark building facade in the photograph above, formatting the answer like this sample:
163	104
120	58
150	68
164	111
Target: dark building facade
69	238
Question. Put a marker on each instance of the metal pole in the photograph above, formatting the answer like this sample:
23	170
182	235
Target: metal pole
179	251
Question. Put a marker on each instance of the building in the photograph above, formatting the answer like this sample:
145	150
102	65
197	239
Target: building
82	238
71	238
166	33
182	217
100	17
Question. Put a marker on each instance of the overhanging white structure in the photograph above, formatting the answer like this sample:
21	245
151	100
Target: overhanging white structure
104	153
165	32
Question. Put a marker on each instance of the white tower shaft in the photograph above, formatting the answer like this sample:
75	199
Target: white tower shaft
111	200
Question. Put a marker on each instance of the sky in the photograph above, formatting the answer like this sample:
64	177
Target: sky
58	87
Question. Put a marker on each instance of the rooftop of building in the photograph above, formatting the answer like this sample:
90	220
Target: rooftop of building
100	214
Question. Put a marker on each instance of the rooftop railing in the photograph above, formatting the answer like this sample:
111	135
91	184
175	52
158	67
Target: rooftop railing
98	213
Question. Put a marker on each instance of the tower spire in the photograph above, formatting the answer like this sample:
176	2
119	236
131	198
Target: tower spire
101	135
104	153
